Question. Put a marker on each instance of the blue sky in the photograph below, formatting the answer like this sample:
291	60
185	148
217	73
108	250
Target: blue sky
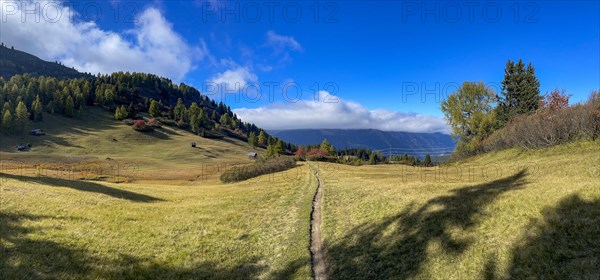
377	57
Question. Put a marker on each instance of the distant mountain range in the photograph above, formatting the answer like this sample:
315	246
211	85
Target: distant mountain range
13	62
393	142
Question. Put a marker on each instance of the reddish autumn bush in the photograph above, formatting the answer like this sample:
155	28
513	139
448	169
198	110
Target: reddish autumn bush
140	125
555	100
300	154
316	154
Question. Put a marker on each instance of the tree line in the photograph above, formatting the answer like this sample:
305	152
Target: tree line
355	156
519	115
25	98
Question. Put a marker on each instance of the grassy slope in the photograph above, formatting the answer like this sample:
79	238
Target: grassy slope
535	213
162	154
72	229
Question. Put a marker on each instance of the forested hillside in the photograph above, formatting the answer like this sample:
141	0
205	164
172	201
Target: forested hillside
145	100
13	62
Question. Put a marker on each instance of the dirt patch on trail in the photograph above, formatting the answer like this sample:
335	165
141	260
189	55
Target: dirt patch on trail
317	255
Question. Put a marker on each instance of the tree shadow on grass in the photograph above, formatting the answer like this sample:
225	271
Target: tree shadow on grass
564	245
27	257
84	186
23	257
397	246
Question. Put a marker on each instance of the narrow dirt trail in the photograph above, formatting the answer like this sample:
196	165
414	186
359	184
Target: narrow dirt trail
317	258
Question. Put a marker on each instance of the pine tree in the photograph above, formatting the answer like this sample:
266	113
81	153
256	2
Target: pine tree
131	113
154	110
204	121
520	91
262	138
195	116
427	160
270	151
195	123
121	113
21	116
252	141
225	120
69	107
7	107
37	109
180	110
372	158
7	121
278	148
325	146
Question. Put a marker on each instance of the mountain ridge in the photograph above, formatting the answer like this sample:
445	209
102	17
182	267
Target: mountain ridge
13	62
393	142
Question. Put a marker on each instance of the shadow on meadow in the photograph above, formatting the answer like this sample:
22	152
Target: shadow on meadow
27	257
564	245
397	246
84	186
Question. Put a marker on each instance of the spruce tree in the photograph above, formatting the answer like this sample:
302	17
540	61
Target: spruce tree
520	91
325	146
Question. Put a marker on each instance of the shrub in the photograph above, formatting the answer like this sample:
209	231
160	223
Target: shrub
555	100
300	154
182	124
168	122
316	154
141	125
549	126
241	173
154	123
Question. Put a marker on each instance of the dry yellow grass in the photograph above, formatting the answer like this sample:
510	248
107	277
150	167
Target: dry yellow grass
56	228
86	145
513	214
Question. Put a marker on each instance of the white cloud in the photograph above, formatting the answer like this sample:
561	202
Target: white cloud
334	113
150	46
235	78
280	42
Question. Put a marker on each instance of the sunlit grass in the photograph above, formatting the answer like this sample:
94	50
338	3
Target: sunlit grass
404	222
246	230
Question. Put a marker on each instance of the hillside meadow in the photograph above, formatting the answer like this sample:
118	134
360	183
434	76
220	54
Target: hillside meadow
145	205
95	146
512	214
58	228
